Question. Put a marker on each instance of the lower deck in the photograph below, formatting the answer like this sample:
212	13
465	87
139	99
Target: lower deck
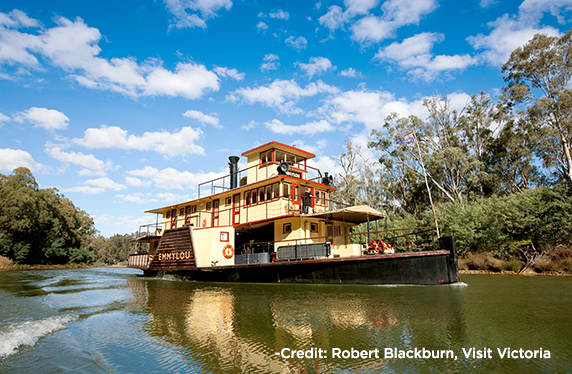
426	267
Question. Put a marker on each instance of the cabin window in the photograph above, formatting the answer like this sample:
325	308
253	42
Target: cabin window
318	197
325	198
194	209
261	194
313	227
268	192
228	201
253	196
280	156
287	228
169	214
296	195
291	159
275	190
247	198
287	190
187	210
266	157
209	205
334	230
182	211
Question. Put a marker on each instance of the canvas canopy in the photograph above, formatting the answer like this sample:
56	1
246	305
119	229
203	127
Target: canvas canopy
355	214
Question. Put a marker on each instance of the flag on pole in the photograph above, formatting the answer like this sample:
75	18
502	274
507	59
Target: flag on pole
406	139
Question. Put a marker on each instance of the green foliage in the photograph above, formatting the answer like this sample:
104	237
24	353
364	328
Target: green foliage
539	76
113	250
542	217
40	225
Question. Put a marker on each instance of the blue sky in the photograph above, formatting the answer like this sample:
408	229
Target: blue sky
126	106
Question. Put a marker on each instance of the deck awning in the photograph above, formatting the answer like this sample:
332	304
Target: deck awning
355	214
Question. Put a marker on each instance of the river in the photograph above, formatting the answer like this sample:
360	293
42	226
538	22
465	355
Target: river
112	320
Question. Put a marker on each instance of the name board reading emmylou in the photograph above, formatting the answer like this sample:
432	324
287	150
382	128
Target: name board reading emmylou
415	353
173	256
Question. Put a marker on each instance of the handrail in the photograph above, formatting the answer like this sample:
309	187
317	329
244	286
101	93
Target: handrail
225	212
238	175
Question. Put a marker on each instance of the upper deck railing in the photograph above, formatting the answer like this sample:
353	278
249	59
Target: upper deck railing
222	184
225	216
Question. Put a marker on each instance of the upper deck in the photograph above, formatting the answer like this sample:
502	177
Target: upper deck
277	182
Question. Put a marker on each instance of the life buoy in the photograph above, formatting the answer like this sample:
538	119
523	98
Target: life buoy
228	251
204	223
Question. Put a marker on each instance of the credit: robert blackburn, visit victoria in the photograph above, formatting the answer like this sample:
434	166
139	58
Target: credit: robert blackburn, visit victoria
414	353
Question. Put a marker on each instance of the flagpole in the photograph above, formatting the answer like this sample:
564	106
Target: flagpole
427	183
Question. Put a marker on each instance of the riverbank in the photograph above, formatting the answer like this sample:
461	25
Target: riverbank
509	272
556	262
7	264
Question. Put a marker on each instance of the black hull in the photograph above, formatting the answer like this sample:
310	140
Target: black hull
424	268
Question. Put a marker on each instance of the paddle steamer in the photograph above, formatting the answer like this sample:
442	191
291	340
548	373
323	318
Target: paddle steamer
275	221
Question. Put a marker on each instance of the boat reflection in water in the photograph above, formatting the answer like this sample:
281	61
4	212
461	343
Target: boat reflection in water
240	327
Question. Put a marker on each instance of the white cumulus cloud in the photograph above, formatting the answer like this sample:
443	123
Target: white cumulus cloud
281	94
172	179
15	158
396	14
414	54
195	13
74	47
310	128
105	183
48	119
280	14
203	118
4	118
89	162
230	73
168	144
298	43
269	62
316	66
508	33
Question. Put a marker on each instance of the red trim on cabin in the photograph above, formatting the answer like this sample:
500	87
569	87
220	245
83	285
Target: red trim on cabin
276	144
243	189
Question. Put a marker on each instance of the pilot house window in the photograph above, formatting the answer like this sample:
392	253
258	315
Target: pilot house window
266	157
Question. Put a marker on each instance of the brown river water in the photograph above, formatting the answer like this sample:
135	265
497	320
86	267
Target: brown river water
112	320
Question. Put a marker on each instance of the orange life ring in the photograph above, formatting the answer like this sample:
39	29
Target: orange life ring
204	223
228	251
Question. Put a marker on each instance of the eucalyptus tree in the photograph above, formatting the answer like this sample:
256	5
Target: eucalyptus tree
39	225
439	147
360	181
538	76
400	170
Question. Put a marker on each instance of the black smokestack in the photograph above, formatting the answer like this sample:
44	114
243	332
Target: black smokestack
233	167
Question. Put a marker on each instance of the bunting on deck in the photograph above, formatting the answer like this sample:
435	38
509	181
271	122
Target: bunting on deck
406	139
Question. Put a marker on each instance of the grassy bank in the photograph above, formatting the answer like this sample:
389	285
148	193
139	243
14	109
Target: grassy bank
556	261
